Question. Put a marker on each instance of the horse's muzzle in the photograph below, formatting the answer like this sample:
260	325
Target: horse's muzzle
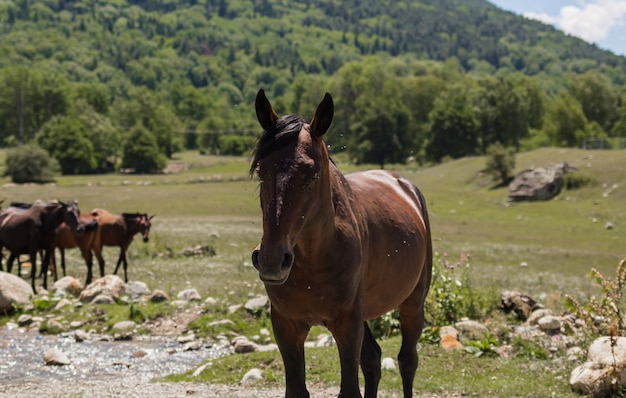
273	270
145	239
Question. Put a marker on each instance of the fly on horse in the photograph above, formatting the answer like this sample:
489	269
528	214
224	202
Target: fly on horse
118	230
28	230
68	239
337	250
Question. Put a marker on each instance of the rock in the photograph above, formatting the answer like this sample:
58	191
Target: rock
24	320
471	330
158	296
200	369
242	345
136	290
54	326
56	357
252	376
103	298
221	322
210	301
448	330
388	364
234	308
604	373
520	304
192	346
189	295
449	342
62	303
550	323
110	285
267	347
325	340
67	286
80	335
123	326
13	290
535	316
257	304
539	183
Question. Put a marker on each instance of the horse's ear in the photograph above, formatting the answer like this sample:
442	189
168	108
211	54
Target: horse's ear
264	111
151	217
323	116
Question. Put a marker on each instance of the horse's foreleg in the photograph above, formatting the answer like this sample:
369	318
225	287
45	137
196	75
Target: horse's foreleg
10	264
98	252
122	260
290	337
370	362
33	269
54	260
348	331
86	252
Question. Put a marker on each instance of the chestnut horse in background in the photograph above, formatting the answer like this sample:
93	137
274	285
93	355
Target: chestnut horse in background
68	239
337	251
118	230
29	230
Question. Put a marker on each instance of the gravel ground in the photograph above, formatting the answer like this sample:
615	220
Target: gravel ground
121	388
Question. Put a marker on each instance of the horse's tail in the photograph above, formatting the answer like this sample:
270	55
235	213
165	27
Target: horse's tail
428	265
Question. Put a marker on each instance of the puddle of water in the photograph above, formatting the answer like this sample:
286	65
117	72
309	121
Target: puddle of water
23	353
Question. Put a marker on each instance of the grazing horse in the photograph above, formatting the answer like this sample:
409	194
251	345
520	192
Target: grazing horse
68	239
337	250
118	230
28	230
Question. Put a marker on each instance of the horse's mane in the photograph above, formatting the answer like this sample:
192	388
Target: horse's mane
132	215
280	134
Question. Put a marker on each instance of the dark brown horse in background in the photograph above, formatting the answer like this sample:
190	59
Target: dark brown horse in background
29	230
68	239
337	251
118	230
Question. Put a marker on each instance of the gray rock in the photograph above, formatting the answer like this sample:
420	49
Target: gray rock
124	326
80	336
158	296
550	323
56	357
136	290
252	376
24	320
103	298
189	295
604	370
539	183
110	285
388	364
67	286
471	330
13	290
242	345
257	303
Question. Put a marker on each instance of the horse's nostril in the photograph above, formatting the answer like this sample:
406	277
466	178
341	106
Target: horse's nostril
255	258
287	260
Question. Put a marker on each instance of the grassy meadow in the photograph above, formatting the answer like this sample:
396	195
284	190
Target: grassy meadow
544	249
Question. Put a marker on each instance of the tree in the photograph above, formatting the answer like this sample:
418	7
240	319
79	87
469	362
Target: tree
30	163
67	140
453	128
141	151
596	97
565	121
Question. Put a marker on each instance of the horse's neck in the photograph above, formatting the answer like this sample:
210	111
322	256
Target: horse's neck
53	217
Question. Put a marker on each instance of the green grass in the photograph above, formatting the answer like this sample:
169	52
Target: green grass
215	203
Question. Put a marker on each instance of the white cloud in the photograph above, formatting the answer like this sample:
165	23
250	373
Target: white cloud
591	20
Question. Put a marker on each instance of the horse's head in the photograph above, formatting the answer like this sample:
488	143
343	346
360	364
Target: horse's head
71	216
291	161
144	226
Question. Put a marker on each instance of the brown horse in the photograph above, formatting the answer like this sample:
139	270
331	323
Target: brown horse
28	230
118	230
337	251
68	239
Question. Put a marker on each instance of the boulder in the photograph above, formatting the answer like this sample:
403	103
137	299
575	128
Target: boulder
13	290
110	285
539	183
605	370
67	286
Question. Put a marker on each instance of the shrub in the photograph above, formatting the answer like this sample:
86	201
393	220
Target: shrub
500	162
577	179
30	163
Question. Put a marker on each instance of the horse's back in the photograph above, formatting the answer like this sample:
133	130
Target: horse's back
395	236
111	228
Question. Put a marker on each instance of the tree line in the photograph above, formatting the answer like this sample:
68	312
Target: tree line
106	84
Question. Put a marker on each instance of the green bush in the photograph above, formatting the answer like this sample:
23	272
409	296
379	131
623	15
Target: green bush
500	162
577	179
30	163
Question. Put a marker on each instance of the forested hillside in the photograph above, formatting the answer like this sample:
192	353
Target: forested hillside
99	82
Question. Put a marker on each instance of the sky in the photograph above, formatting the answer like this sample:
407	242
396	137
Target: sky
602	22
